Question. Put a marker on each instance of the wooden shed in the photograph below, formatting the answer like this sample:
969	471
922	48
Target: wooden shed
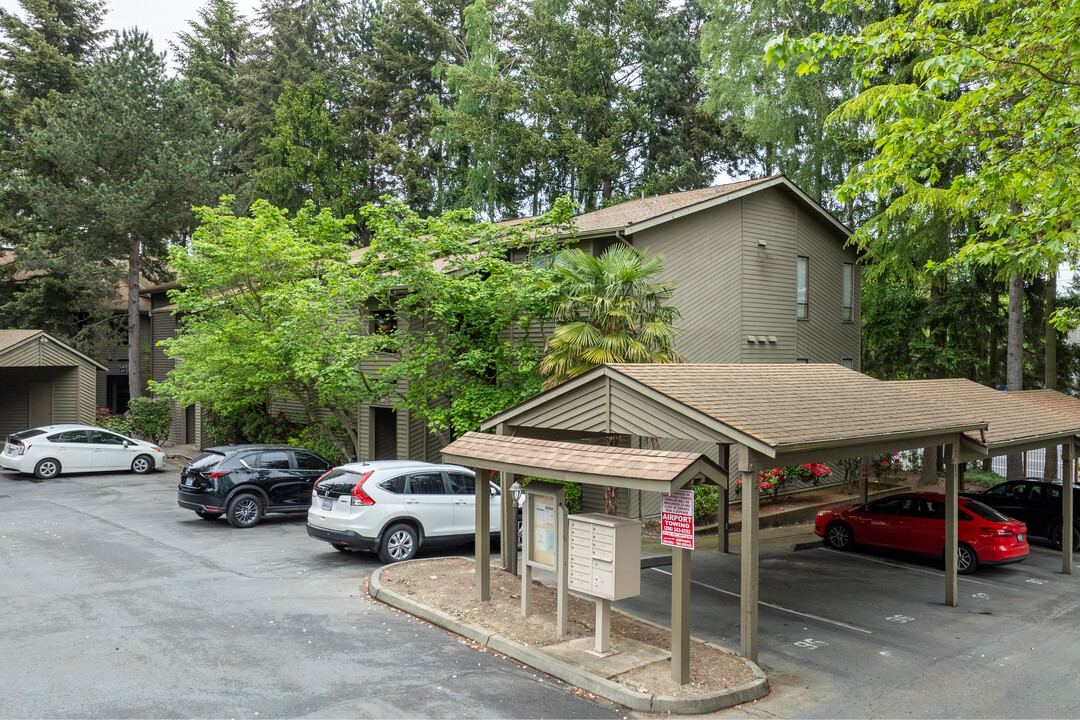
44	382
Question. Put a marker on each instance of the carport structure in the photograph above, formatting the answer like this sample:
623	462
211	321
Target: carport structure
767	416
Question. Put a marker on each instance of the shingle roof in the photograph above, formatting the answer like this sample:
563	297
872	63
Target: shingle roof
600	460
793	405
634	211
8	338
1011	416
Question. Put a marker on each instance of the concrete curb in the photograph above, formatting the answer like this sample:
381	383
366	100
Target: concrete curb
572	674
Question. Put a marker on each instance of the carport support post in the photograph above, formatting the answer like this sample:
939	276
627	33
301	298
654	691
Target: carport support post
952	499
723	512
482	551
680	615
1068	450
749	548
507	542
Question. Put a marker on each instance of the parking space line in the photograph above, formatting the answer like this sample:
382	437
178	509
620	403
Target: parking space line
778	607
933	573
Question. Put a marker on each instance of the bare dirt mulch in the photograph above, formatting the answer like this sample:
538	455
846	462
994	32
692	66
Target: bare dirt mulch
447	584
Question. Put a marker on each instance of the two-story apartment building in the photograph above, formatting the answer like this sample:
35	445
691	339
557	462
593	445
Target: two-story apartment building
762	275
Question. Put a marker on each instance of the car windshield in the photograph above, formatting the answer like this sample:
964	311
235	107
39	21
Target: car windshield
25	434
985	512
205	460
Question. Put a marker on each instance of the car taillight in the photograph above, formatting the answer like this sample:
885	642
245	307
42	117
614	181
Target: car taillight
999	532
23	447
213	475
359	497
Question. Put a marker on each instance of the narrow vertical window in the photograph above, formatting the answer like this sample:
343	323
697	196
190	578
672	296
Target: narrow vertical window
802	291
849	292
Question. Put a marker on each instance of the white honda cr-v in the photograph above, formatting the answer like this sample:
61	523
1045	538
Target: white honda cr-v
395	506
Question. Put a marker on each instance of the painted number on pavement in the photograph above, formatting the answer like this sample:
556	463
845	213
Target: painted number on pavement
810	644
900	619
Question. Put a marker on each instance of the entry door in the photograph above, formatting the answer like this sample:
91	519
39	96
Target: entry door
41	404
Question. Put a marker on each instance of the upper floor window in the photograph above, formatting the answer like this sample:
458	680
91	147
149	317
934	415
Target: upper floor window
849	292
802	290
846	362
802	361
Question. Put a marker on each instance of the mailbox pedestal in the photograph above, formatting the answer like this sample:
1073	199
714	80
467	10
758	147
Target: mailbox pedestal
605	562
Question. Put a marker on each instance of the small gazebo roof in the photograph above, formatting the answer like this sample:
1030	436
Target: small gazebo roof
658	470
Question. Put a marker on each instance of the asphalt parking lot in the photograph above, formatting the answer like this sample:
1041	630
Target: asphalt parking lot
866	634
116	603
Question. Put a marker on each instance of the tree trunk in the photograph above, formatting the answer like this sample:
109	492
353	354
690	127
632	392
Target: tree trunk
1014	368
1050	469
611	500
928	474
134	330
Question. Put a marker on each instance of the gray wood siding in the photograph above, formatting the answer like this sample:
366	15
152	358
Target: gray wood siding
586	413
15	409
101	398
66	396
823	336
768	277
162	327
702	256
87	378
27	354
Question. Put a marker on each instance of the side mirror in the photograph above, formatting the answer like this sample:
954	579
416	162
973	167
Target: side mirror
127	443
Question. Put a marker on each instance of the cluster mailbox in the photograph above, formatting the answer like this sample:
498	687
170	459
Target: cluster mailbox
605	556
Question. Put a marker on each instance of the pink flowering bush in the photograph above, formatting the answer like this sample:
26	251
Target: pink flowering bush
886	464
771	481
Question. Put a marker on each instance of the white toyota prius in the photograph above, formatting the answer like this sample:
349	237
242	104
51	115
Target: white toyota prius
49	451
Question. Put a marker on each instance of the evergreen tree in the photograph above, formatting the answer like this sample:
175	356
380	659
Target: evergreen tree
133	151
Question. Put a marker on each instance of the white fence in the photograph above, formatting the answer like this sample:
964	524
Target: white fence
1034	462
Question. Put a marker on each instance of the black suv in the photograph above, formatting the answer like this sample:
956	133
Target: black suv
1035	501
244	482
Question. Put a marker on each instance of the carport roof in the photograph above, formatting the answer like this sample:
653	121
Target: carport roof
660	470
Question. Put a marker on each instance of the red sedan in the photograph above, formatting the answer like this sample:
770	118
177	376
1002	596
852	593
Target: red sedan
916	522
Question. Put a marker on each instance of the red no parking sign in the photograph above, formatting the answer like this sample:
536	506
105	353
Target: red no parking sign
677	519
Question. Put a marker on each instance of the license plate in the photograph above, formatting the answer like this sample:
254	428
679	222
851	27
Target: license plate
1019	537
189	481
327	503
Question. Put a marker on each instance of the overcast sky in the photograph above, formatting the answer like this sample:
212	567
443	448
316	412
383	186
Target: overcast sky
161	18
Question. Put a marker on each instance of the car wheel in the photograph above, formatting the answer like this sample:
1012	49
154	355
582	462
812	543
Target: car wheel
838	535
47	469
244	510
142	464
398	544
1055	537
966	559
206	515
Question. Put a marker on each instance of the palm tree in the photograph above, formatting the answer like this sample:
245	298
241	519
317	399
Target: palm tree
610	310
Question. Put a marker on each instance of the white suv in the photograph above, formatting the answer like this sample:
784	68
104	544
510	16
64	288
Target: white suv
395	506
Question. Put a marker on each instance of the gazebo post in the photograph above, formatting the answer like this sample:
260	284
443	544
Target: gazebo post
748	625
680	615
1068	478
952	499
482	550
507	542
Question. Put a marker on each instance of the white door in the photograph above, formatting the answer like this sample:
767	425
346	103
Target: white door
427	500
71	449
462	487
108	451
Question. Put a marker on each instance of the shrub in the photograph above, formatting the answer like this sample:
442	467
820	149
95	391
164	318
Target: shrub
317	439
886	464
706	503
116	423
573	492
975	475
150	418
772	481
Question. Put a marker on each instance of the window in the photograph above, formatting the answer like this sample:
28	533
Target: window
382	321
846	362
802	290
802	361
307	461
461	484
394	485
274	460
426	484
69	436
849	292
100	437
